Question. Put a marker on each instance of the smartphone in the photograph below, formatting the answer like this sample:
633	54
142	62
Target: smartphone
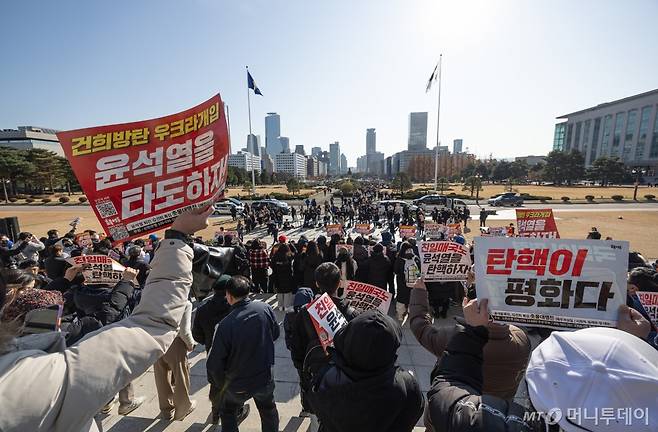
43	320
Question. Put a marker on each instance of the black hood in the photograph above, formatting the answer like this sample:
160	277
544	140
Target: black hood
368	345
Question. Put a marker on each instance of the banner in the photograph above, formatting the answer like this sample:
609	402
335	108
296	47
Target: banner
99	269
408	231
650	302
363	229
363	297
456	228
493	231
350	249
536	223
443	261
561	284
334	229
435	230
139	176
326	318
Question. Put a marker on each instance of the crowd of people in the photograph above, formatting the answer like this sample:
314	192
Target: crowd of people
147	319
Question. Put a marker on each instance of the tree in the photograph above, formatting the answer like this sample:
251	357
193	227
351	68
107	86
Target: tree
14	166
575	167
246	187
608	170
474	184
443	184
48	166
401	182
346	187
265	178
502	171
293	185
563	167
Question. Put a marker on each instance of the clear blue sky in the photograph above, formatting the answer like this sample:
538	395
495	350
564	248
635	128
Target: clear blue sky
331	69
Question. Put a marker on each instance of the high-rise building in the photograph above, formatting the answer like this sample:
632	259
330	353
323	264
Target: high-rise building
267	163
362	164
343	164
284	144
457	146
312	168
316	151
300	149
625	128
334	158
291	163
245	160
252	145
371	141
417	131
374	163
31	137
272	133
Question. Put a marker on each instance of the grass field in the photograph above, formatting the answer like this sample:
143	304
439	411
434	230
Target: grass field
557	192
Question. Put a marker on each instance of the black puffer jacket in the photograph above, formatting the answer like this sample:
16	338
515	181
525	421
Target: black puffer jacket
282	276
455	401
364	385
309	266
207	316
106	304
379	269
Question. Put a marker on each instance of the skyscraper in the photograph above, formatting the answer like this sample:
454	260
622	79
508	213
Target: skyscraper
371	141
284	144
252	145
272	133
316	151
417	131
343	164
299	149
334	158
457	146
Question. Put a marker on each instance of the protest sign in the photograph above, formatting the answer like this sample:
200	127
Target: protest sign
536	223
114	255
561	284
444	261
363	297
84	240
455	229
435	230
407	231
350	249
363	229
327	319
650	302
334	229
493	231
139	176
101	269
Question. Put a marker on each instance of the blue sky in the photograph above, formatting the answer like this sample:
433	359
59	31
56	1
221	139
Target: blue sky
330	69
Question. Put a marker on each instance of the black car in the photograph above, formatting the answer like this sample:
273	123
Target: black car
507	199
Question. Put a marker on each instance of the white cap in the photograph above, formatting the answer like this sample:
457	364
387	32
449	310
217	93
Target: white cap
586	371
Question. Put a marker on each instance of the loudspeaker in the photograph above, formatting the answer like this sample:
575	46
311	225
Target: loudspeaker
9	227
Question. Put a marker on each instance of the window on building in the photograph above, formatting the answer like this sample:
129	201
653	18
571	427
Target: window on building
605	139
642	134
616	139
585	140
567	144
576	142
558	138
630	133
654	139
595	140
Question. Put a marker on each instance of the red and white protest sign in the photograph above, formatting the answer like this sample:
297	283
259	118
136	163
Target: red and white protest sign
536	223
562	284
435	230
350	249
100	269
363	228
408	231
443	261
650	302
139	176
84	240
363	297
334	229
455	229
326	318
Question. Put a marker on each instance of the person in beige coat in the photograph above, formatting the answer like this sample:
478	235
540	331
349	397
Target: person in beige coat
47	387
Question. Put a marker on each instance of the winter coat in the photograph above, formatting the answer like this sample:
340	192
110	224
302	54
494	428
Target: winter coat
455	401
208	315
242	352
282	276
363	384
309	266
403	290
46	387
506	354
379	269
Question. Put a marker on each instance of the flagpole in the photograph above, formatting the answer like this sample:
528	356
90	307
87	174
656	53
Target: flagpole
438	122
228	124
253	175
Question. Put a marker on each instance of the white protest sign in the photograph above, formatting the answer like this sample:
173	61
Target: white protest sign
553	283
101	269
363	297
363	228
650	302
444	261
326	318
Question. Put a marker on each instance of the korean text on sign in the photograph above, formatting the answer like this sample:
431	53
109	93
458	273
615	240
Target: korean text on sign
363	297
99	269
334	229
650	302
536	223
443	261
550	282
326	318
140	176
407	231
362	228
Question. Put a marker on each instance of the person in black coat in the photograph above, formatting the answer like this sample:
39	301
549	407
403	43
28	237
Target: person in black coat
210	313
363	389
312	259
137	262
282	276
379	267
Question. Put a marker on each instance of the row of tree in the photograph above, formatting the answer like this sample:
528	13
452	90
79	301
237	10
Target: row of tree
35	171
558	168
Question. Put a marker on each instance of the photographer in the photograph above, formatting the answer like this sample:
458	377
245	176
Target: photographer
46	387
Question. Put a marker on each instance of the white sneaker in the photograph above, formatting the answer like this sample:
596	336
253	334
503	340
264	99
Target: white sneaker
127	409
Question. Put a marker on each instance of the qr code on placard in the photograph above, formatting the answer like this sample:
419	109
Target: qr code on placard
119	232
106	209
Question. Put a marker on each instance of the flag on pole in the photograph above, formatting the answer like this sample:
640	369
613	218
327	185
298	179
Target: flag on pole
433	78
252	84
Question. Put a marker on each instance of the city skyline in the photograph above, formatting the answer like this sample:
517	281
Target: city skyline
509	69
